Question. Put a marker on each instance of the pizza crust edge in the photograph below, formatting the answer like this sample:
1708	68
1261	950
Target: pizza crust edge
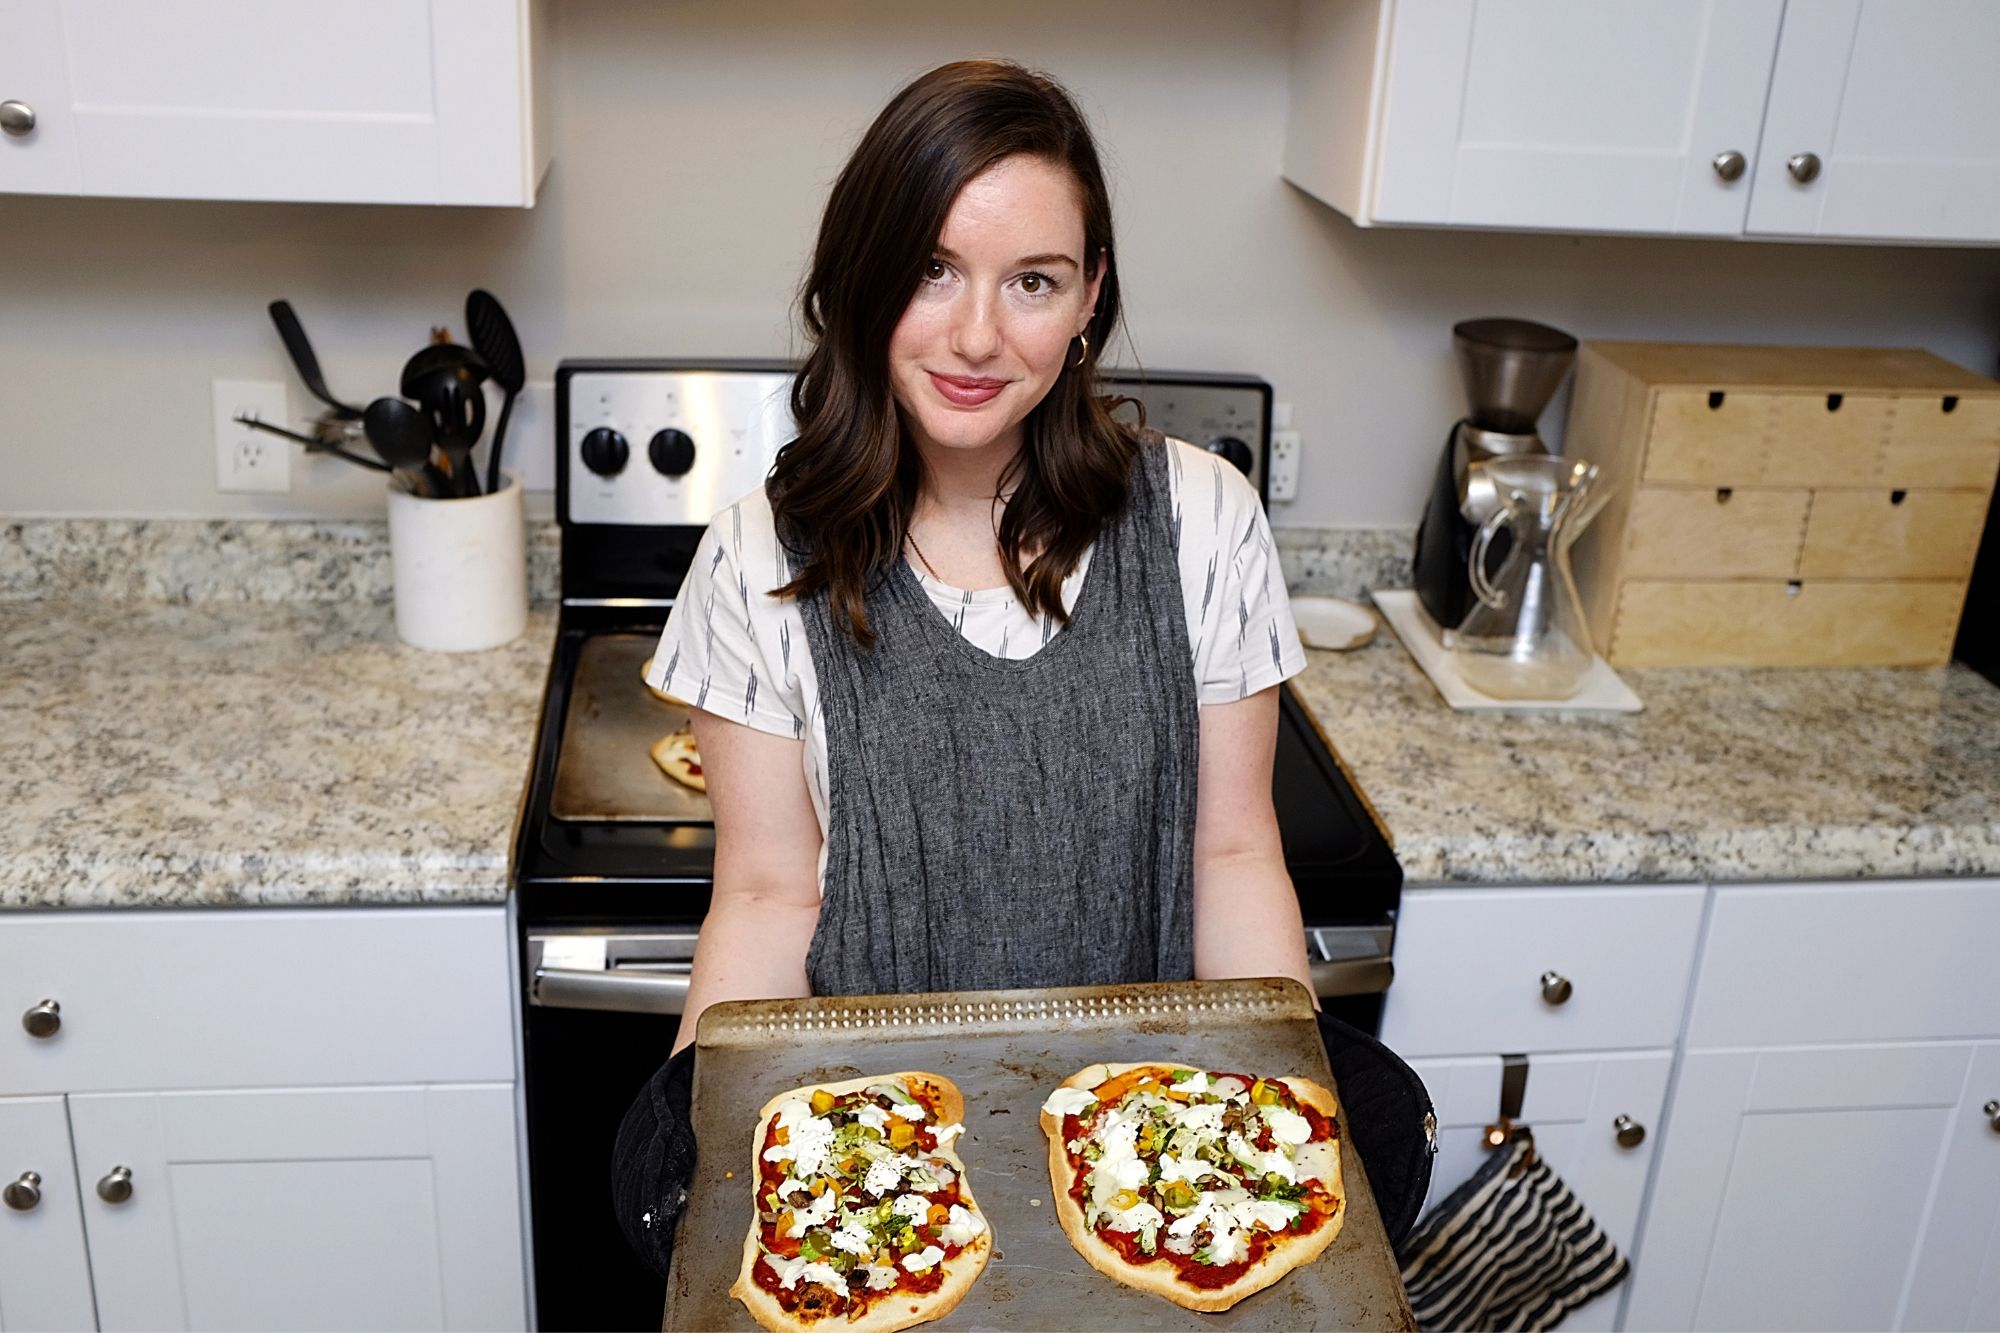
889	1314
1160	1279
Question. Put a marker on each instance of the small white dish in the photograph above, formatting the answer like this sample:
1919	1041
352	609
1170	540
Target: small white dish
1602	690
1333	622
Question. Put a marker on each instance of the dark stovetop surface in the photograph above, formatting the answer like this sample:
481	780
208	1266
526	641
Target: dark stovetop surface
624	871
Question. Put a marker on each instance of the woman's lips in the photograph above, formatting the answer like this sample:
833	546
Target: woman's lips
965	391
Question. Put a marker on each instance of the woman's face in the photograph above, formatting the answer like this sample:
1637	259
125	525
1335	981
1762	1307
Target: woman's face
998	310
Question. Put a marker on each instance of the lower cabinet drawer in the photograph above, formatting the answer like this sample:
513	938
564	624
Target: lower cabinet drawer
1893	534
1754	623
1486	971
161	1000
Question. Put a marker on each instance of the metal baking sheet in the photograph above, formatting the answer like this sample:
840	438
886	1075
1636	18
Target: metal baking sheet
1005	1050
605	770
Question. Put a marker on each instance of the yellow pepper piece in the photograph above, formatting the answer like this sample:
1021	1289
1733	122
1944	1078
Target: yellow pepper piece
902	1134
822	1102
1263	1094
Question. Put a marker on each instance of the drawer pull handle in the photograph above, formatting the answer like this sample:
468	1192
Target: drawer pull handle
1950	403
1992	1113
1630	1132
44	1020
1715	397
23	1194
1804	167
117	1186
1897	497
17	119
1556	988
1722	494
1833	402
1729	165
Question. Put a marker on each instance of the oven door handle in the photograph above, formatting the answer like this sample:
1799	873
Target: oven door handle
612	990
1351	976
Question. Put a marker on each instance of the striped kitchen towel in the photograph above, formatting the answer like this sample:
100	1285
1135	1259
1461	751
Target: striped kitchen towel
1508	1249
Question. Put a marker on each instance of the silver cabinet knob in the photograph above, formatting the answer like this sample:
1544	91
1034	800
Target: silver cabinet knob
17	118
1992	1113
1729	165
117	1186
1630	1132
1803	166
43	1020
24	1193
1556	988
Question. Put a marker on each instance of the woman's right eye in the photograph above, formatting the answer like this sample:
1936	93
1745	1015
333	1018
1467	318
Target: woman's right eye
934	271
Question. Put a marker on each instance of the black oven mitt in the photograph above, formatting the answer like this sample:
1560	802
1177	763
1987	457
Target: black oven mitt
1390	1118
653	1162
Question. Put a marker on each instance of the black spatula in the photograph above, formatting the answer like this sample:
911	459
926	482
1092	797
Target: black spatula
494	339
294	335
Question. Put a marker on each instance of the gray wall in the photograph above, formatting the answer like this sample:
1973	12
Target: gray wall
696	140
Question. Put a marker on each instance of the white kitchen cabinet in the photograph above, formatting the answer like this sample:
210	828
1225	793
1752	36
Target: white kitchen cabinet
1568	115
378	1207
44	1270
367	101
314	1111
1828	1161
1653	116
1898	104
1572	1104
1487	971
1830	1188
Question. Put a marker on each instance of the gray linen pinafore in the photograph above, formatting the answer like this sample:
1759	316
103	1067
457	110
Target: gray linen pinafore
1000	822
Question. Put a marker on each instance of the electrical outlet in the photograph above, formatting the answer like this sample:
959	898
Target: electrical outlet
1284	479
246	459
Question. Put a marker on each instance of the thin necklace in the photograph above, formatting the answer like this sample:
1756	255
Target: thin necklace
911	538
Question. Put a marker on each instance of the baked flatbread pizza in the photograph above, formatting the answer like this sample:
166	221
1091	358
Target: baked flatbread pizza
1196	1185
678	758
863	1219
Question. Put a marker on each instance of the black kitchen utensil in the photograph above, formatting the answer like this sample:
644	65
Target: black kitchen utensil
403	438
493	337
444	379
313	444
294	335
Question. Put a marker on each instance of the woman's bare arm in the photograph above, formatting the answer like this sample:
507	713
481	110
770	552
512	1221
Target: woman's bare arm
760	922
1246	913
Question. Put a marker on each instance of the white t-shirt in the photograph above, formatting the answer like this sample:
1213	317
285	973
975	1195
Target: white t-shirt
734	650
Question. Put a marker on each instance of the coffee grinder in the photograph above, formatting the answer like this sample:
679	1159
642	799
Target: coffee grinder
1512	367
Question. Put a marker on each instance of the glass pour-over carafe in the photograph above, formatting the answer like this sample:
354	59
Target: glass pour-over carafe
1525	636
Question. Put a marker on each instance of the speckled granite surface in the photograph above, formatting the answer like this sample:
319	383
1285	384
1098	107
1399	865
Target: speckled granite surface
1726	775
218	560
251	753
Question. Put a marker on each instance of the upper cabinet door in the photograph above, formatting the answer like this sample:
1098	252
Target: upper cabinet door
1569	115
1898	110
367	101
38	154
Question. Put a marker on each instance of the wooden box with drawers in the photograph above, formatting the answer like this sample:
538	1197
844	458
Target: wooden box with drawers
1780	506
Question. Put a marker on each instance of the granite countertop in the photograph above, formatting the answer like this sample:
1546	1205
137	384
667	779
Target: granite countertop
210	754
1728	774
272	753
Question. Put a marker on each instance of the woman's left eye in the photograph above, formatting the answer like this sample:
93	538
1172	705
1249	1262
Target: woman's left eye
1037	284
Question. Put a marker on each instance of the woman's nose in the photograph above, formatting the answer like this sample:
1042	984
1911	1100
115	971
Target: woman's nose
975	327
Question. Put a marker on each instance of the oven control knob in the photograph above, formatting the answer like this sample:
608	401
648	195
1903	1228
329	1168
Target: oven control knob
605	452
1234	450
672	452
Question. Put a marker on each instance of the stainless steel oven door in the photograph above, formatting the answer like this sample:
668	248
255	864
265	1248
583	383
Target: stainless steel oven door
646	972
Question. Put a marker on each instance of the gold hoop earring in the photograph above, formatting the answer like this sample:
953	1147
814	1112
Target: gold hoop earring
1084	354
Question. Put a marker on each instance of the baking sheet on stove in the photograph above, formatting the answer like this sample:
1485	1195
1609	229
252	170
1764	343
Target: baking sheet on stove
605	769
1005	1050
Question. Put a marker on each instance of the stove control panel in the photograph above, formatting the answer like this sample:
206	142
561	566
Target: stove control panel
664	443
1228	415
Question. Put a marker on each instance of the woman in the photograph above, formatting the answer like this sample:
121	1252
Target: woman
985	681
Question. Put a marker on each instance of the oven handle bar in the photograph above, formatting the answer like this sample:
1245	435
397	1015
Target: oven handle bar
617	991
612	990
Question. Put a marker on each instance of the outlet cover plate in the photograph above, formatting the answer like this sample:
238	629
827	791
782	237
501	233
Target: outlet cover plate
246	459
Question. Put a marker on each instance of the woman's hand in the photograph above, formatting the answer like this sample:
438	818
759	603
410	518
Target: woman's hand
1246	912
760	921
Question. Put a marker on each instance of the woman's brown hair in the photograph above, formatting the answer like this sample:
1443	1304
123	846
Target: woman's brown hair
843	492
